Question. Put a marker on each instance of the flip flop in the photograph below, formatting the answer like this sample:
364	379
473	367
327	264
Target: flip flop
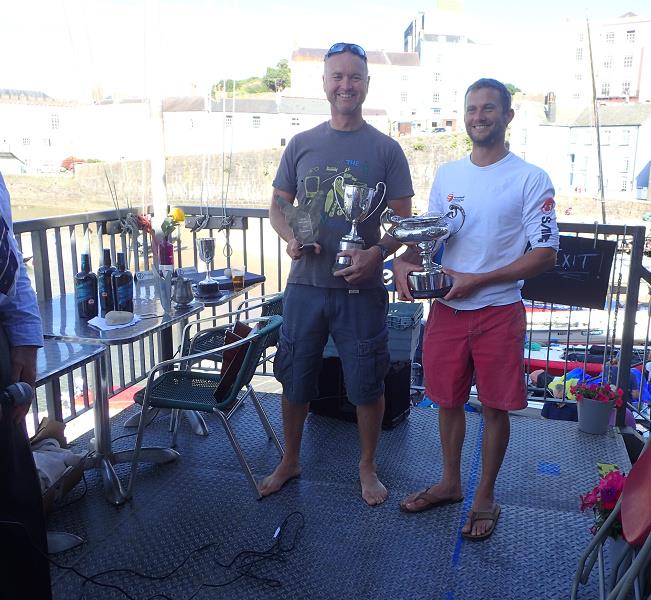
427	503
489	515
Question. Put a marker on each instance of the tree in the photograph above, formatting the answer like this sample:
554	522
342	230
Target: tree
278	78
512	88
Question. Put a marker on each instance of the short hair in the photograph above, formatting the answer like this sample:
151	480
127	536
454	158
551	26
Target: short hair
505	95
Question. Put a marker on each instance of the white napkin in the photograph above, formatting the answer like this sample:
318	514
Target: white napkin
100	323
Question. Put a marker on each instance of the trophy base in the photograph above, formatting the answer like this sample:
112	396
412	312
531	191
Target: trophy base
342	262
429	284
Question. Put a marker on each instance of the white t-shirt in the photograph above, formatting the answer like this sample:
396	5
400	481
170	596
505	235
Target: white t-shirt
507	204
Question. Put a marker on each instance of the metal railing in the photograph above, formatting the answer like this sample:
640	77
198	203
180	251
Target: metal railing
248	239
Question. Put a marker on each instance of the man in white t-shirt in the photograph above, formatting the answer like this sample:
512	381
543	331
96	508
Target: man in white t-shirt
478	328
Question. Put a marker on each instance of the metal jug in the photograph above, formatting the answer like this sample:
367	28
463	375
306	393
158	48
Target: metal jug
182	291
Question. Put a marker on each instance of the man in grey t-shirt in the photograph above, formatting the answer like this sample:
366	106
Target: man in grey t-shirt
349	303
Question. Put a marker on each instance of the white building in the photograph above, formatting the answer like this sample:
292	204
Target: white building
36	129
567	148
620	59
449	62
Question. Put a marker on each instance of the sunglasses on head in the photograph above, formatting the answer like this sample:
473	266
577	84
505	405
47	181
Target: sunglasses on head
340	47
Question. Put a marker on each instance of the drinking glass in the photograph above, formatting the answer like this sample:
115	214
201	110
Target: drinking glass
206	250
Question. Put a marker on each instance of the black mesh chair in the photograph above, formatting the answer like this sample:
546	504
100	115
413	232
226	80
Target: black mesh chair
174	384
213	337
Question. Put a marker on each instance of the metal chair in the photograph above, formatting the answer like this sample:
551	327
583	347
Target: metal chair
213	337
184	388
634	509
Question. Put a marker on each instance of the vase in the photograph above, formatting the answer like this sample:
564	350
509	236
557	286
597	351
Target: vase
165	257
593	415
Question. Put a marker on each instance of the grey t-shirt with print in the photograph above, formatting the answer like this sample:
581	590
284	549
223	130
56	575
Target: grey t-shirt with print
308	168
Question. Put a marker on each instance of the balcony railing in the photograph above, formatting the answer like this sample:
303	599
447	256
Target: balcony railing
246	237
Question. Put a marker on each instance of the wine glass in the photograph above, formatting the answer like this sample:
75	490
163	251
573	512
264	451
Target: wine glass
206	250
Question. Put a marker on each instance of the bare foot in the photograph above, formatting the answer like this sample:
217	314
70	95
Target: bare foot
280	476
436	495
373	491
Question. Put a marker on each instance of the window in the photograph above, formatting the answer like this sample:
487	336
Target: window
54	121
229	121
630	36
403	96
626	163
605	137
628	62
608	62
437	77
436	97
296	122
580	37
436	111
578	76
256	121
624	185
403	77
579	54
605	89
26	141
626	137
610	37
626	88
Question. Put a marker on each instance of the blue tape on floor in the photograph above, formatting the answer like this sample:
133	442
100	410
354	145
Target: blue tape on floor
549	469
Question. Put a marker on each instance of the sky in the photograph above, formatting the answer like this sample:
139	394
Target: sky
66	48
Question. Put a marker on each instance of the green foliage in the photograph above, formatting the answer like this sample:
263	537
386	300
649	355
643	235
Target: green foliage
512	88
418	146
278	78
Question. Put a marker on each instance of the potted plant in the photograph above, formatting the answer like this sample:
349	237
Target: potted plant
602	500
595	402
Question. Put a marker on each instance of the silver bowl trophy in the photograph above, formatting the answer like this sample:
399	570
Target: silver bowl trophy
357	201
428	231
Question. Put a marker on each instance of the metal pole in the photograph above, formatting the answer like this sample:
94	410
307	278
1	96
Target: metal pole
596	124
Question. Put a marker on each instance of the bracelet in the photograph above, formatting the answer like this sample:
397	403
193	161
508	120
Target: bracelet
384	250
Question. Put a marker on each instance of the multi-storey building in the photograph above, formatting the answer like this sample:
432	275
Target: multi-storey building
620	50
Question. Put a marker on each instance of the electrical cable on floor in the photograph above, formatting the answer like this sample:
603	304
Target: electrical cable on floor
284	542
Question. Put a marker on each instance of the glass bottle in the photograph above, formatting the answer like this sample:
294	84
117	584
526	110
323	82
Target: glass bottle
165	257
122	283
86	290
105	285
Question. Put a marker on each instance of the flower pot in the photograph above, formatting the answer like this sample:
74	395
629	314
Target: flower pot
593	415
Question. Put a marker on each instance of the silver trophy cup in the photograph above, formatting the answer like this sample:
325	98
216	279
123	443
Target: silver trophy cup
356	205
428	231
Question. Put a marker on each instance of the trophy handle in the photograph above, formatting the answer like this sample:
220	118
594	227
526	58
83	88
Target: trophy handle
334	192
384	191
454	209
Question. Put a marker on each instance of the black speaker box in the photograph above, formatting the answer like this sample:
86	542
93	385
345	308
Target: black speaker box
332	401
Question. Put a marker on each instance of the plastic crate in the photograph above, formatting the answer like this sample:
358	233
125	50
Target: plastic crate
403	321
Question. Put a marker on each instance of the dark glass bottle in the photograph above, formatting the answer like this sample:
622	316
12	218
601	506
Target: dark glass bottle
105	285
86	290
122	283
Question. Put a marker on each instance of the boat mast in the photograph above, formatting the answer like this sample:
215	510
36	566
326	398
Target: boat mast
595	109
152	88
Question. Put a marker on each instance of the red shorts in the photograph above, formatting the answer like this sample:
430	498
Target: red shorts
487	343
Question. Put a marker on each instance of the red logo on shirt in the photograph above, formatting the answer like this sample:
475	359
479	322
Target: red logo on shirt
548	206
450	197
